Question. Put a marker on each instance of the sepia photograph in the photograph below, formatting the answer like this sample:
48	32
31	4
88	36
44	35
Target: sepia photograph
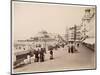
50	37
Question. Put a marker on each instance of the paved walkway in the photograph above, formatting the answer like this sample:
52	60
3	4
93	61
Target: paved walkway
83	59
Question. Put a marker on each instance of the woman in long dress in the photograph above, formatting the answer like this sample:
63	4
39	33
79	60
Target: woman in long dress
51	54
36	53
42	55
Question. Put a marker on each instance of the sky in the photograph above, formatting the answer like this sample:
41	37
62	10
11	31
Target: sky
30	18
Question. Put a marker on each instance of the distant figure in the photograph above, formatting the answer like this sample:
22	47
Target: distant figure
78	45
29	59
62	45
72	47
51	54
69	48
36	53
24	48
42	51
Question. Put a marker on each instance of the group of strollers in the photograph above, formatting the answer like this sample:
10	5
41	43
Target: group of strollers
39	52
73	47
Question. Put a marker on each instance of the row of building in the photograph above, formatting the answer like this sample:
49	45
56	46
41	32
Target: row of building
84	32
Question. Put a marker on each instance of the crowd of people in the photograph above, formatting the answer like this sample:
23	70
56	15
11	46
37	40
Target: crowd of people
38	54
39	51
72	47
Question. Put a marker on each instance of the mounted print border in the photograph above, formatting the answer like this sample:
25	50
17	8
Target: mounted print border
52	37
